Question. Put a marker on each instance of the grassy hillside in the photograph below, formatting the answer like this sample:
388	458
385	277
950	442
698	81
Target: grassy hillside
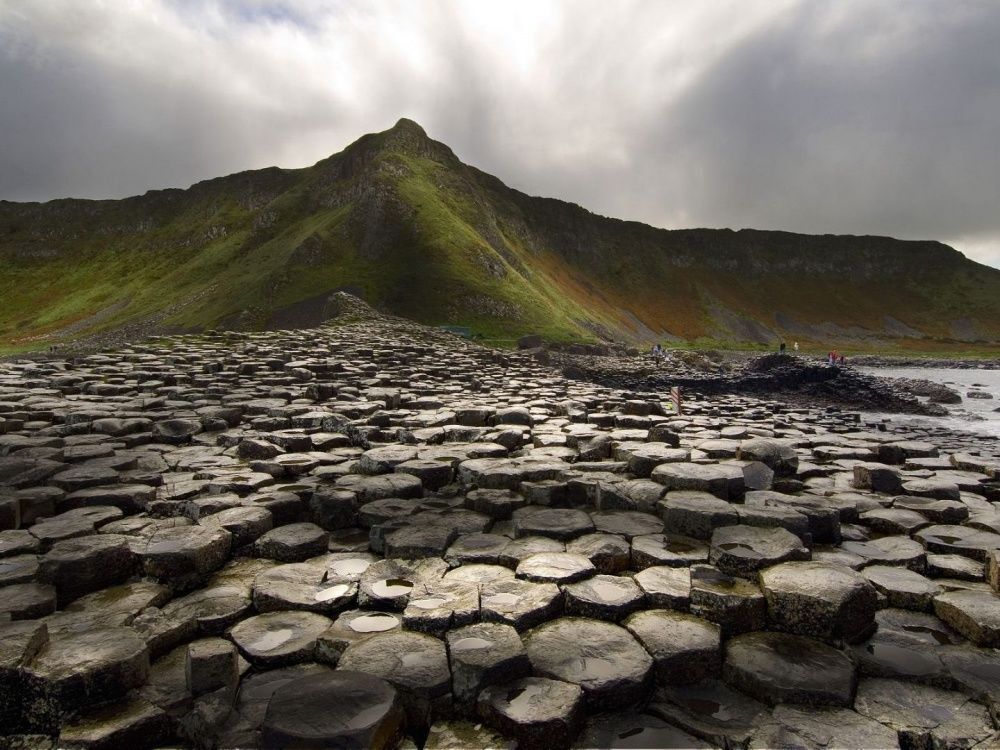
397	219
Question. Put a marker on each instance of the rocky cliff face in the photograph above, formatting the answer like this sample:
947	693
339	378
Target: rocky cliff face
397	219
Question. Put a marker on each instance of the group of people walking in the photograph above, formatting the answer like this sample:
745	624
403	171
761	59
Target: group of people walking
833	357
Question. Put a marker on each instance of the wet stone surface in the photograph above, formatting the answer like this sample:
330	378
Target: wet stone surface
743	550
604	659
636	730
710	710
335	709
555	567
824	600
276	639
782	668
603	597
923	715
684	648
484	654
536	712
377	534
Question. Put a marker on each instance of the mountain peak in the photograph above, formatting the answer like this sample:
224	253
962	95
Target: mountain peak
407	136
399	218
410	127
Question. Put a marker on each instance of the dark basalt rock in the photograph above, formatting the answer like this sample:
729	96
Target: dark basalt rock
276	639
521	604
562	524
684	648
414	663
709	710
636	730
294	542
333	710
819	599
743	550
78	566
374	534
604	659
484	654
974	614
185	555
923	715
84	669
603	597
555	567
782	668
537	712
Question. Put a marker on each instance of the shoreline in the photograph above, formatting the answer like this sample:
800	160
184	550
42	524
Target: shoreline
945	363
806	382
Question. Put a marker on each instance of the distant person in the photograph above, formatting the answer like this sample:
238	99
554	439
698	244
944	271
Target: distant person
795	346
782	347
843	360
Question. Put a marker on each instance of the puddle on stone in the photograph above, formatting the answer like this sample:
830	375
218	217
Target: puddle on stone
430	603
333	592
940	636
707	707
351	567
905	661
388	588
376	622
712	577
272	640
470	644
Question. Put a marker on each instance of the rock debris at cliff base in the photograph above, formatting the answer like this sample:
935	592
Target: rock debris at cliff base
377	534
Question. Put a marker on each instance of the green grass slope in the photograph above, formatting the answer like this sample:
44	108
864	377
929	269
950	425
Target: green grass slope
397	219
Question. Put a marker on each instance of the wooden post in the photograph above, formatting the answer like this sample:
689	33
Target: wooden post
675	396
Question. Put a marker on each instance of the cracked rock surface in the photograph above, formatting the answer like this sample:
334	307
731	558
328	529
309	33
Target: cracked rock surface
376	534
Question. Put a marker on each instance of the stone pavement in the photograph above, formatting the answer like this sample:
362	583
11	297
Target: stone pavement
373	534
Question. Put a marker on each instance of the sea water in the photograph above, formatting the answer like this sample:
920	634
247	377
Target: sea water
974	415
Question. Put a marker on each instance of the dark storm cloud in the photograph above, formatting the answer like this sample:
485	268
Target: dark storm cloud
856	117
884	123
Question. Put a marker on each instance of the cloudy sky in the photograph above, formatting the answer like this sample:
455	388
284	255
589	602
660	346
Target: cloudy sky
854	116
